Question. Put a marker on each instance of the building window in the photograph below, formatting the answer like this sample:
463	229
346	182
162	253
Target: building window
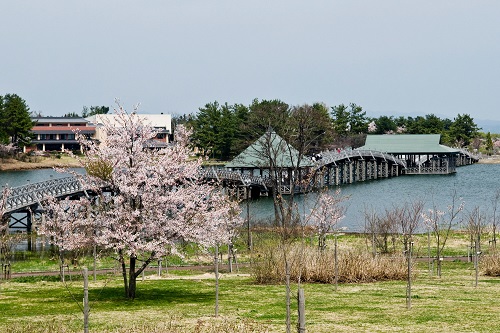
67	136
47	137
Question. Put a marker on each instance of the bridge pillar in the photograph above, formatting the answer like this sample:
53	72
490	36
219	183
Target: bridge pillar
29	227
361	170
351	172
321	180
343	175
385	170
332	174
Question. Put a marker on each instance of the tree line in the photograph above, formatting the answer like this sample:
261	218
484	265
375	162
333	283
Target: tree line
222	131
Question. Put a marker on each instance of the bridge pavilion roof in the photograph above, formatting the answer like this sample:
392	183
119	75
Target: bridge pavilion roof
254	156
407	144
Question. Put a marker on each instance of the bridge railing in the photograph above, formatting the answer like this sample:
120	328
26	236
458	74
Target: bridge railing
27	195
222	174
333	156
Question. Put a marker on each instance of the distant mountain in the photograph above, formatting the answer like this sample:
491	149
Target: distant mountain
492	126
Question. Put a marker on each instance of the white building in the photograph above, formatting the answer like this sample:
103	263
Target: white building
162	123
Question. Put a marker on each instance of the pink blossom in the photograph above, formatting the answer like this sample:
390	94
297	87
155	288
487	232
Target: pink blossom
155	197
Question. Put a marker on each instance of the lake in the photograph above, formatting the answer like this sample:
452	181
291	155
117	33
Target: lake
475	184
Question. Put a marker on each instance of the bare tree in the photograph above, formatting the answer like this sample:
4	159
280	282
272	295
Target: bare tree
494	206
441	223
382	228
475	223
289	171
409	216
371	222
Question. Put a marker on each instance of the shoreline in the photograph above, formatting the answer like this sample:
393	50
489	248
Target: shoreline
70	162
43	163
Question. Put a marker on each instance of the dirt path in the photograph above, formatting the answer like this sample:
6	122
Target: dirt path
203	269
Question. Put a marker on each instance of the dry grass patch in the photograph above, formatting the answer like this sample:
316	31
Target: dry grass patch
308	264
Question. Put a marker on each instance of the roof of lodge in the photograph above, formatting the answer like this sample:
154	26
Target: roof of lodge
62	129
407	144
254	156
65	120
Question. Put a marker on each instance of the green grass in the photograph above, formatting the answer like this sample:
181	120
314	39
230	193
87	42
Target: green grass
183	300
447	304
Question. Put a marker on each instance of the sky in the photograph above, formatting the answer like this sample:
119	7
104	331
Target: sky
392	57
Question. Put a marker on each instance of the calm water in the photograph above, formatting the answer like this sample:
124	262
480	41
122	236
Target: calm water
476	184
23	177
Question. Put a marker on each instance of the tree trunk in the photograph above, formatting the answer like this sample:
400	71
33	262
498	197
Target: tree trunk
124	273
216	268
301	310
86	308
408	245
132	284
287	282
439	262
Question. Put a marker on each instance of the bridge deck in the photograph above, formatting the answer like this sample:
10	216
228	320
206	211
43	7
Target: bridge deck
345	164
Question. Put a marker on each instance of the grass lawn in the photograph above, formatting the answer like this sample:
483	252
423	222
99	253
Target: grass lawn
185	303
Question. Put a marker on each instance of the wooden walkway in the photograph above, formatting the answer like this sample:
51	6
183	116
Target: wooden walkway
333	169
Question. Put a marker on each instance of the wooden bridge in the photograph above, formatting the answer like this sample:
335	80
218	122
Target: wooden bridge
332	169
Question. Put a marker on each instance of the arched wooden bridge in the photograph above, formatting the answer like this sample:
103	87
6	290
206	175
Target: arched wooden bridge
333	168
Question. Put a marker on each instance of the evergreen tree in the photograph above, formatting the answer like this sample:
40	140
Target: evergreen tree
463	130
385	125
15	121
489	143
264	114
86	112
358	122
215	129
340	120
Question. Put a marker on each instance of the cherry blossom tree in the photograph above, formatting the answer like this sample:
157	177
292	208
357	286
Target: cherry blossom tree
69	225
7	241
7	150
327	214
148	200
3	200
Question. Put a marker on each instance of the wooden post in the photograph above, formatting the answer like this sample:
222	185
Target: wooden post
229	257
287	282
94	269
408	292
216	267
476	261
249	236
302	310
336	264
159	267
86	308
429	251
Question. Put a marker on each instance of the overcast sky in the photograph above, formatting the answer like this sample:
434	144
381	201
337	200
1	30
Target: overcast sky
391	57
